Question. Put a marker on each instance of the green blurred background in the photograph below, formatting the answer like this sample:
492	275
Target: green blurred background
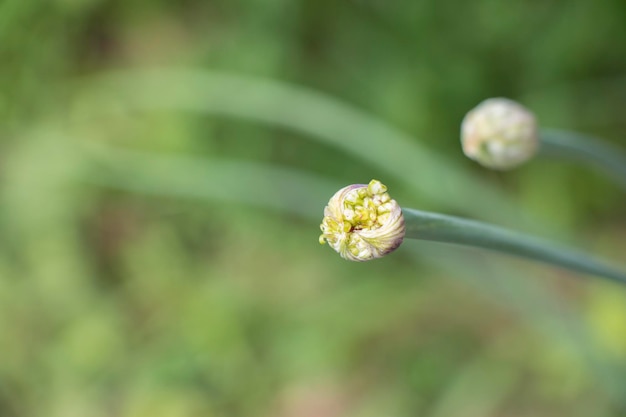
163	170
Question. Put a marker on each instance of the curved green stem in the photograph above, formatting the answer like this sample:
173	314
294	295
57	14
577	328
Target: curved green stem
318	116
438	227
603	156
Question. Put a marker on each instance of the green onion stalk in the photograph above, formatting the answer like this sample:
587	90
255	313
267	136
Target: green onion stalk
502	134
362	222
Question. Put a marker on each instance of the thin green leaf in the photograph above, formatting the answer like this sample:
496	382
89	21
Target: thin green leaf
433	178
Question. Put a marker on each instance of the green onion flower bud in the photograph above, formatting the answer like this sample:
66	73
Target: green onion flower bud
499	133
361	222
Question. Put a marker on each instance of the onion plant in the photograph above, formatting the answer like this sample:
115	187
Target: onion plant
502	134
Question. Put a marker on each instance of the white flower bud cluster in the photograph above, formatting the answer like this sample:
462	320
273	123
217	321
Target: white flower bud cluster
499	133
362	222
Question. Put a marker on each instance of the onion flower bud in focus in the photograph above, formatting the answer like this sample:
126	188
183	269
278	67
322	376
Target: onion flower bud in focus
499	133
361	222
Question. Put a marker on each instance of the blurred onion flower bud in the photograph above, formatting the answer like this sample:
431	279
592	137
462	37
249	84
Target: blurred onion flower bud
499	133
361	222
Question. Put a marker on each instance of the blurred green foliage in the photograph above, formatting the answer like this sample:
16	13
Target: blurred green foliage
159	255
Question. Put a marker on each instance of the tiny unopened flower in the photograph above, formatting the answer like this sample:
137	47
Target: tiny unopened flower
362	222
499	133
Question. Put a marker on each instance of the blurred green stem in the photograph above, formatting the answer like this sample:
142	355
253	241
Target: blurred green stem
320	117
442	228
599	154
